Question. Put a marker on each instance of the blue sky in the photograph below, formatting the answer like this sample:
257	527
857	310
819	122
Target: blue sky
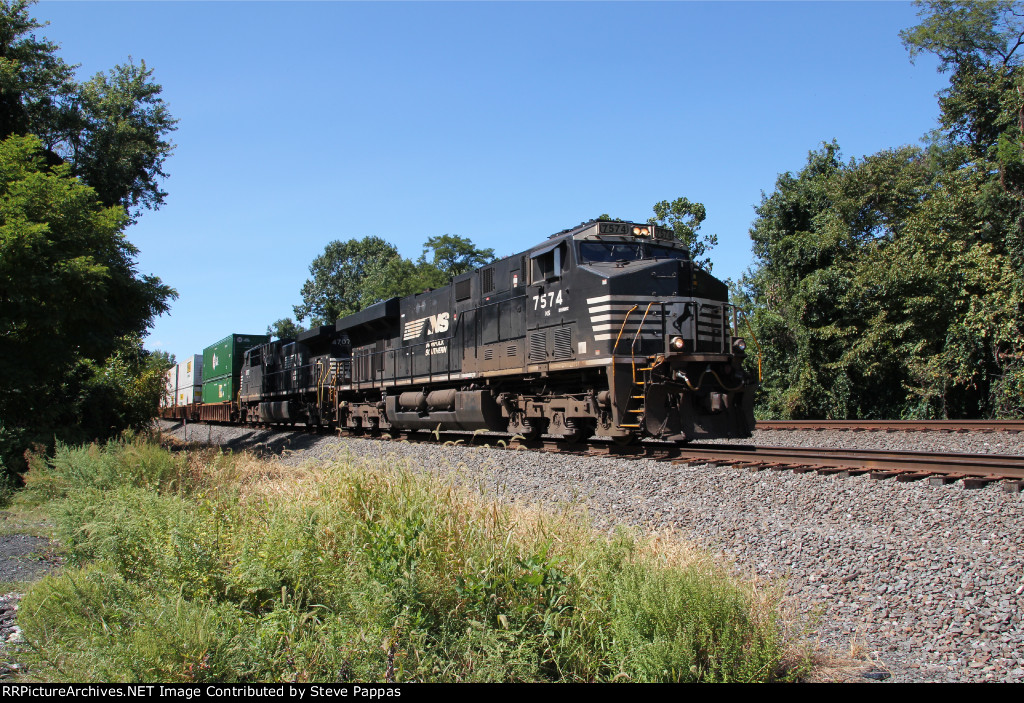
305	122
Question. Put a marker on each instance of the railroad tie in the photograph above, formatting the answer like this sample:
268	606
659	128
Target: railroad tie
1013	486
839	471
980	481
944	479
913	476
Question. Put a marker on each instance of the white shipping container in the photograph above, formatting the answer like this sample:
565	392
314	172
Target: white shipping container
170	387
189	395
190	372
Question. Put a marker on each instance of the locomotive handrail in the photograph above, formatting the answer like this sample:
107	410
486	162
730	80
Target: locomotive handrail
615	348
639	329
746	321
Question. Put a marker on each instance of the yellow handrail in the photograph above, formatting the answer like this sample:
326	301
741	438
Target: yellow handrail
757	344
632	347
615	348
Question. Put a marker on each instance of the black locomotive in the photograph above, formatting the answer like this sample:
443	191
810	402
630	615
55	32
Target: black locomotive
605	329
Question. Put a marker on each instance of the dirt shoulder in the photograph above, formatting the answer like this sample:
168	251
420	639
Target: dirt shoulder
25	557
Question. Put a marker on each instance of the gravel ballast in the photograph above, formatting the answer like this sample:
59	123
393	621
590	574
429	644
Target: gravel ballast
925	581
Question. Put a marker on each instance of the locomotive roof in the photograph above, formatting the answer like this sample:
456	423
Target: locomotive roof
595	225
578	228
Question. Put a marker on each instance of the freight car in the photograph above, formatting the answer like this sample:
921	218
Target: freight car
607	329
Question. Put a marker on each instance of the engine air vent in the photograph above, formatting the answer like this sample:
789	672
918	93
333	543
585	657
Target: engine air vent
539	346
563	343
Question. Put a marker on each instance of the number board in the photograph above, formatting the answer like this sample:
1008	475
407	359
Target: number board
615	228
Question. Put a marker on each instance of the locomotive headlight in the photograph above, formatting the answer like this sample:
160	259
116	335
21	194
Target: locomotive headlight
739	344
641	231
678	343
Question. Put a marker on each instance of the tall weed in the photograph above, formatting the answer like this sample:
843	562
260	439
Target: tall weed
224	568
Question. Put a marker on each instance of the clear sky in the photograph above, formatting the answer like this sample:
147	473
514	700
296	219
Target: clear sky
305	122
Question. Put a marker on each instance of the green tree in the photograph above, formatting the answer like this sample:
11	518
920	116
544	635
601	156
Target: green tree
36	86
111	129
892	285
872	294
69	292
402	277
285	328
352	275
337	286
77	163
684	218
120	393
981	139
453	255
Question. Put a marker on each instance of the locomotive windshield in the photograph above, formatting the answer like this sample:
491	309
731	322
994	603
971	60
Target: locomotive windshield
652	251
597	252
611	252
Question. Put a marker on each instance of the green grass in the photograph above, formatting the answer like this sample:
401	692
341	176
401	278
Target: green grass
202	566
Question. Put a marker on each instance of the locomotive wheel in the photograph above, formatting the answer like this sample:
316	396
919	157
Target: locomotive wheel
530	434
576	436
530	429
579	433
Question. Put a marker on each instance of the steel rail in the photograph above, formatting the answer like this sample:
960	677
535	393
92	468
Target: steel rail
980	465
976	470
896	425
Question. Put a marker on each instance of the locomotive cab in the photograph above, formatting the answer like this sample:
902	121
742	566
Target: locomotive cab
675	367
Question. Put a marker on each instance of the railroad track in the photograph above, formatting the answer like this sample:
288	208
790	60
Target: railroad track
896	425
973	470
939	468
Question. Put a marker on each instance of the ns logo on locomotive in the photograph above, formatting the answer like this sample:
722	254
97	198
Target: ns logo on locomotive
606	329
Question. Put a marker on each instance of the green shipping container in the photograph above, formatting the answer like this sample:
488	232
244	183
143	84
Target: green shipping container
220	390
226	356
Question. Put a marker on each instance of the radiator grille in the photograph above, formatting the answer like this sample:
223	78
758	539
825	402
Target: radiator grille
563	343
539	346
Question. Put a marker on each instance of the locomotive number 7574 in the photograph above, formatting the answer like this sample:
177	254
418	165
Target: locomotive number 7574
547	300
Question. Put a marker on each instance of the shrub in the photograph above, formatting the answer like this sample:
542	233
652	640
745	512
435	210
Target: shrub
224	568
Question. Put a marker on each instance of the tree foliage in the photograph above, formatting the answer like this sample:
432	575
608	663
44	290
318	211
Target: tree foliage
684	218
66	270
285	328
336	287
78	161
872	295
71	301
352	275
112	129
891	286
453	255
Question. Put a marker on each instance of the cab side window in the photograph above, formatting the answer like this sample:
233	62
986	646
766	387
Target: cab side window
546	265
